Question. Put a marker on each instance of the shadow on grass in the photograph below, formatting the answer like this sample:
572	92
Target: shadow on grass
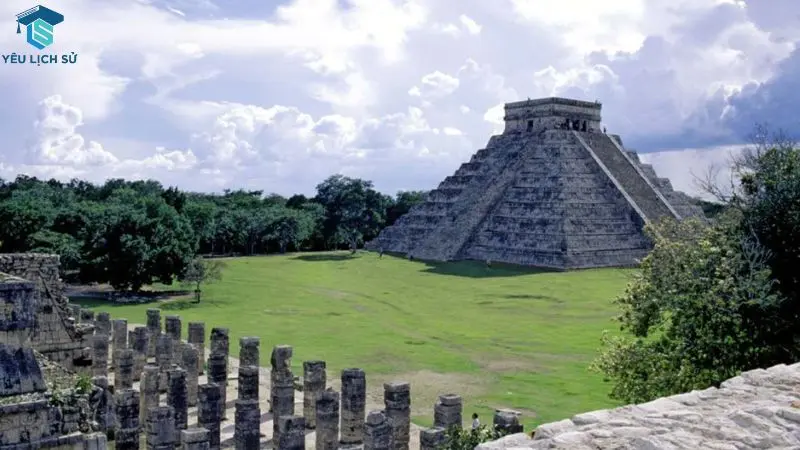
325	257
475	269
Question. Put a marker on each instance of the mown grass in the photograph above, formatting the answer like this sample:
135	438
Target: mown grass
502	336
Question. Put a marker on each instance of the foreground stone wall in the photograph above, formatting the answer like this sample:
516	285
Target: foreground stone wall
759	409
54	333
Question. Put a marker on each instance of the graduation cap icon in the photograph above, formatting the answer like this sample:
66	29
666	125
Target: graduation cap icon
43	14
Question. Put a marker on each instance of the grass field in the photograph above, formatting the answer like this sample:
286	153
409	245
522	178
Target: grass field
500	337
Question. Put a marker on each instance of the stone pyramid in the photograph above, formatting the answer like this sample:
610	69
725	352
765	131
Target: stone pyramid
554	190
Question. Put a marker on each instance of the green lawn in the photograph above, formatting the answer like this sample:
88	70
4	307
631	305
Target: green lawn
500	337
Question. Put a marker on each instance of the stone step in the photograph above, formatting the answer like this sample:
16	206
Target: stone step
625	172
560	242
591	225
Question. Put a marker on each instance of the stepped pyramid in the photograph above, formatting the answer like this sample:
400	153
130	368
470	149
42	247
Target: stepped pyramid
554	190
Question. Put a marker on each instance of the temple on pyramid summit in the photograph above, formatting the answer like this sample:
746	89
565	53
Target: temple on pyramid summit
553	190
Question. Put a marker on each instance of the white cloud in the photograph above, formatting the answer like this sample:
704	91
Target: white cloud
435	85
396	91
469	24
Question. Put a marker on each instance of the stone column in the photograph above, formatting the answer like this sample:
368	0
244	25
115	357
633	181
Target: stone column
172	327
282	386
154	328
100	355
161	428
218	375
176	398
102	325
119	339
197	337
126	436
248	351
149	390
292	434
123	373
447	411
195	439
397	401
377	432
248	383
103	402
507	421
220	341
247	425
314	379
189	364
432	439
87	316
354	404
208	408
139	345
327	420
163	359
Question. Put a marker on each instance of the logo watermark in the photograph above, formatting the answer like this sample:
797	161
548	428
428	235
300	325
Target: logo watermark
39	23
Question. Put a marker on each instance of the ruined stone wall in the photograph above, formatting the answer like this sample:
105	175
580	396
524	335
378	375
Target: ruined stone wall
54	333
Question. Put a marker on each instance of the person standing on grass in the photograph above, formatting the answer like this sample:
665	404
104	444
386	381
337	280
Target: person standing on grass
475	422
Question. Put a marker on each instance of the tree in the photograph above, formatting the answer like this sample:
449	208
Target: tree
290	226
712	301
201	271
353	209
403	203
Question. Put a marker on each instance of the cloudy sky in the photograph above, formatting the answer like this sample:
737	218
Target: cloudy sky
277	95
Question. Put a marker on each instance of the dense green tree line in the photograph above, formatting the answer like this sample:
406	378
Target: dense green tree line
134	233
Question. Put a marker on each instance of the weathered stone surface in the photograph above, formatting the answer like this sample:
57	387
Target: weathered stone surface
127	414
397	403
208	411
220	341
432	439
123	374
314	379
161	428
99	355
757	409
552	190
139	342
189	364
507	420
177	398
149	390
327	420
354	405
282	387
292	433
102	324
19	371
54	333
218	375
164	351
195	439
102	401
197	337
173	327
119	339
377	432
247	426
248	383
448	411
154	328
248	351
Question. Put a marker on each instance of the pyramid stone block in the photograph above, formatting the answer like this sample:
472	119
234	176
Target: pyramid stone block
553	190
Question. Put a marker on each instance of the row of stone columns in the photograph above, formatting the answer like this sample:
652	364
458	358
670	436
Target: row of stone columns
340	419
